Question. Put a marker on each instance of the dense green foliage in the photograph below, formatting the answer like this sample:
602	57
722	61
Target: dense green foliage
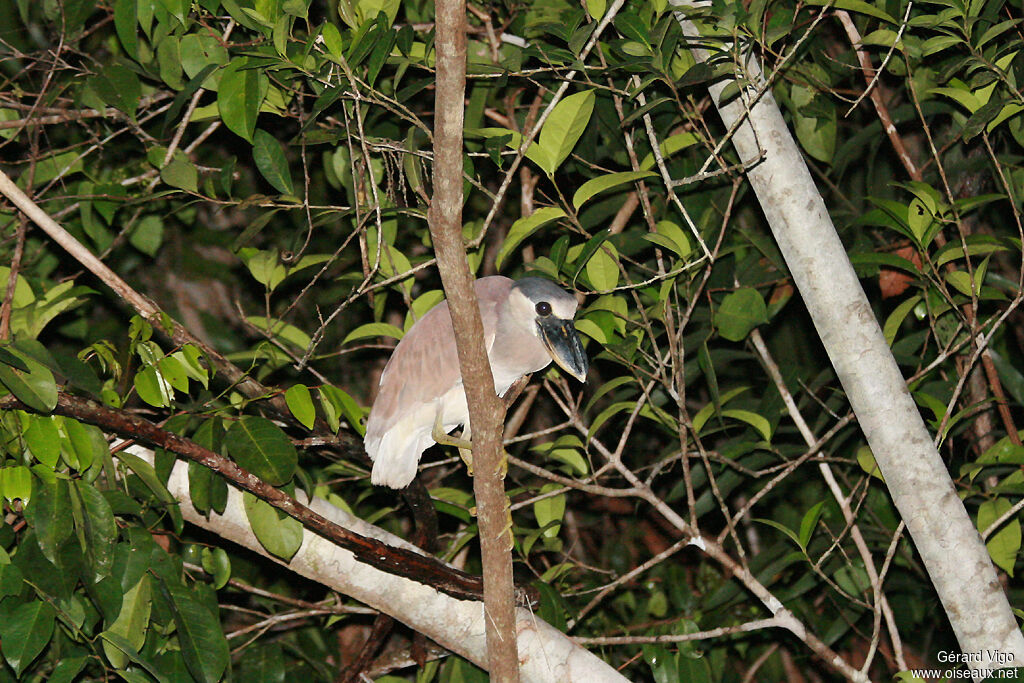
260	169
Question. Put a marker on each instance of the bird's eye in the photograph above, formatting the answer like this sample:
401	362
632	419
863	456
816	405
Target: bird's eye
543	308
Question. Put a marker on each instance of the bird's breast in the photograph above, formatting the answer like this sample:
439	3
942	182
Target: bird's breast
520	354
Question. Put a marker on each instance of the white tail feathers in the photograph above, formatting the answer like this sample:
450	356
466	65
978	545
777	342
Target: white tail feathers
396	455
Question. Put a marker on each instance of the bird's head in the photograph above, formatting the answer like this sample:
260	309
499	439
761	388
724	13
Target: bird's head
551	310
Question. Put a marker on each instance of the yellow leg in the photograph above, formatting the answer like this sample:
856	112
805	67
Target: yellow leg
462	443
467	457
509	528
445	439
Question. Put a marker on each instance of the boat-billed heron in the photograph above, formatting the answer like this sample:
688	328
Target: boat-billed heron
527	324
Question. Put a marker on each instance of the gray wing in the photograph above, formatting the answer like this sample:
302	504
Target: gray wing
425	364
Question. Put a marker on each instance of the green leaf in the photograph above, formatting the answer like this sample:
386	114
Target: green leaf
281	330
217	564
126	23
259	446
919	218
200	479
816	131
962	280
174	372
664	664
1005	543
562	130
25	632
268	154
50	515
23	296
866	460
153	388
199	633
240	95
641	50
148	235
132	622
67	669
1011	376
56	166
760	424
592	330
633	27
36	388
95	526
16	483
523	228
338	402
189	359
131	654
144	471
603	267
381	51
119	87
977	245
550	511
168	56
781	527
370	330
11	579
332	40
670	146
182	174
937	44
741	311
572	458
279	534
672	237
809	522
265	266
200	51
607	414
606	182
961	94
708	368
858	6
301	404
896	318
705	413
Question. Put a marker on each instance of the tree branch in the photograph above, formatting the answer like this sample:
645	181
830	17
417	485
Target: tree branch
141	304
395	560
914	472
486	410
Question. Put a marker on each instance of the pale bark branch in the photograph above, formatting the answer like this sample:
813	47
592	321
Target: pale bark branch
950	547
546	654
457	623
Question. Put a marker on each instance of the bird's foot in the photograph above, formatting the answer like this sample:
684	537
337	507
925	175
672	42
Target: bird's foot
467	457
439	435
509	528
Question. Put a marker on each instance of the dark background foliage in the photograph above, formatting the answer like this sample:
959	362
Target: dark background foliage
260	170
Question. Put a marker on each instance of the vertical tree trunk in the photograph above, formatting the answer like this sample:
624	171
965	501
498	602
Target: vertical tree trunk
486	410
